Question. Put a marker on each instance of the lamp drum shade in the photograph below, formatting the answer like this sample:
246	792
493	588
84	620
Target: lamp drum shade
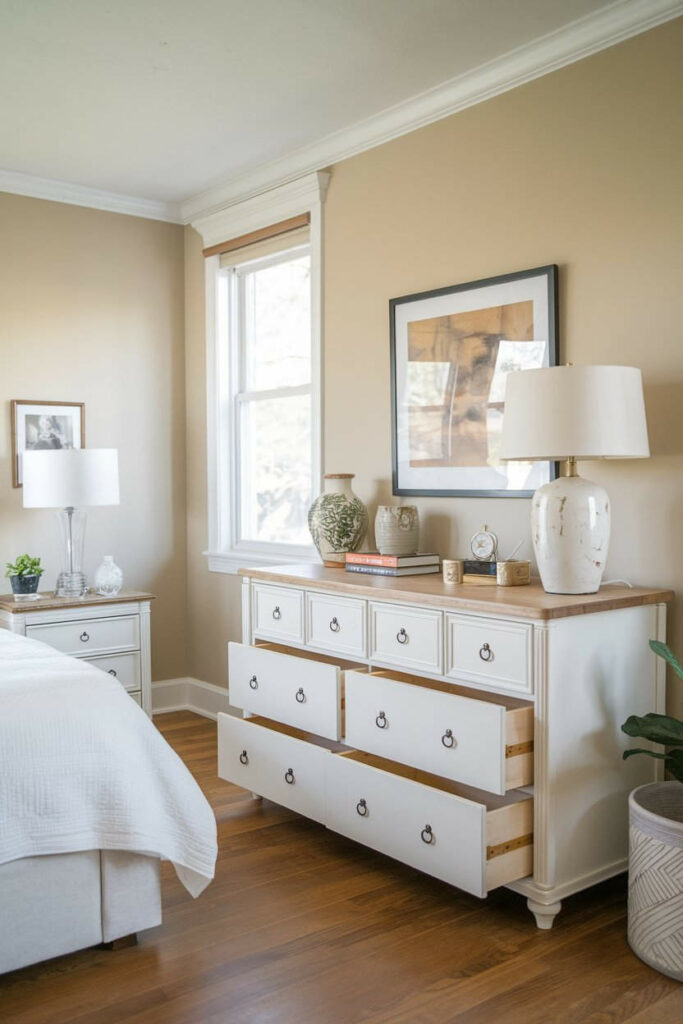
581	412
70	478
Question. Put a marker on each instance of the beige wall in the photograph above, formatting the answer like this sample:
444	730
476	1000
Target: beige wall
91	310
582	168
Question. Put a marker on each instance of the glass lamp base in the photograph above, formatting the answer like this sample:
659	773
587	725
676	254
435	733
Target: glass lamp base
71	584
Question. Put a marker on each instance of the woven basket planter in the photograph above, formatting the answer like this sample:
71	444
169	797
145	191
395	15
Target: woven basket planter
655	882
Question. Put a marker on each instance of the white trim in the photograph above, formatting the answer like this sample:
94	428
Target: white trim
304	196
573	42
188	694
83	195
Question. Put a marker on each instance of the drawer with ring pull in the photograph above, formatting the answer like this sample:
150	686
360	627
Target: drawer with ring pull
278	613
463	836
407	637
336	624
464	735
124	667
274	761
490	652
84	637
303	690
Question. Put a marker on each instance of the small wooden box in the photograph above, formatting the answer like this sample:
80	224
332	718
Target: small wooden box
513	574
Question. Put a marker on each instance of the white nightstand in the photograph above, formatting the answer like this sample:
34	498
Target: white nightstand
110	632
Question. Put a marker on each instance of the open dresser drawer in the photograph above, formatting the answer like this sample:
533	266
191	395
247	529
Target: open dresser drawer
465	837
303	690
465	735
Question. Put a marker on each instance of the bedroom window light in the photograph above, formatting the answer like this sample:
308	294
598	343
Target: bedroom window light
264	421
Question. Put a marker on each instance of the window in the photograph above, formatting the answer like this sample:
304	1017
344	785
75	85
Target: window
270	317
264	425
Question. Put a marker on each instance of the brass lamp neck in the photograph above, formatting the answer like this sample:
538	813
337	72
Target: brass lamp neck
569	467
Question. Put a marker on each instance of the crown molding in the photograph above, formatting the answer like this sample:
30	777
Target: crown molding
269	207
81	195
579	39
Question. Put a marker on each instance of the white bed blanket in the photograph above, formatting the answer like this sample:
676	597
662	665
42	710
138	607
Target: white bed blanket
82	768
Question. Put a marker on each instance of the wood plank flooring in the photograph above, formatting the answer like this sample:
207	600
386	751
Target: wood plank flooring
301	925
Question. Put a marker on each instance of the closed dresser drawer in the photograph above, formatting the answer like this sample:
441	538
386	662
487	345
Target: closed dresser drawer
490	651
272	763
298	691
466	839
408	637
481	742
124	667
89	636
279	613
336	624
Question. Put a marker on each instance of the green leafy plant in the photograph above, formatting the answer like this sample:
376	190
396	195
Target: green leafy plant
24	566
660	728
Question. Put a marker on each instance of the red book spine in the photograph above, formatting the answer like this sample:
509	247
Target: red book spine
365	558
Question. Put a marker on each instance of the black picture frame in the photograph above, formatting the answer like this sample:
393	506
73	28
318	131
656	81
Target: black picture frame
550	275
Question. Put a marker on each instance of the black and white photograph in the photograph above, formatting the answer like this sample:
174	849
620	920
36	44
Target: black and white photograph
46	426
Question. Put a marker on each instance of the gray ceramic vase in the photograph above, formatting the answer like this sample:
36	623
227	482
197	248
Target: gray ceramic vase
397	529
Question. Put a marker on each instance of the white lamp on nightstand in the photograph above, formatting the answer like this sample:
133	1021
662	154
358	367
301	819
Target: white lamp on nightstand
68	479
568	413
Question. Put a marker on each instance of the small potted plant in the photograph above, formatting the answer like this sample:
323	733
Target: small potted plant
655	883
24	575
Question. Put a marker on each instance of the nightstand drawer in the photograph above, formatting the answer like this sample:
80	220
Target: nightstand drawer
137	697
407	637
273	762
487	743
124	667
89	636
490	651
279	613
336	624
459	835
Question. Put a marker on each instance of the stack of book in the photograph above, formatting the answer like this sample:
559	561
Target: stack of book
374	564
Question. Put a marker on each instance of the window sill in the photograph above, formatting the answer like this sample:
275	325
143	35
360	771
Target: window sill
231	562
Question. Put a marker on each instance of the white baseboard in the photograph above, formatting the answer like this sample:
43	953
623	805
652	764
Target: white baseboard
188	694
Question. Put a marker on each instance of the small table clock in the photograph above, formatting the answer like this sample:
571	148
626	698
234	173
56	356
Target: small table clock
484	545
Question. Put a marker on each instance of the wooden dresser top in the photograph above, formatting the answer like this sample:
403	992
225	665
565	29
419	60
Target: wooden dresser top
48	602
528	602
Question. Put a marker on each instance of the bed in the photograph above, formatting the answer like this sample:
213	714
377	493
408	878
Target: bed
91	799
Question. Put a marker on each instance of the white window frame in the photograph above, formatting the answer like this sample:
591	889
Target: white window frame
225	552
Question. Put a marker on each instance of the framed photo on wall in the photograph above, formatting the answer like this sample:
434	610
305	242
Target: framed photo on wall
44	425
451	350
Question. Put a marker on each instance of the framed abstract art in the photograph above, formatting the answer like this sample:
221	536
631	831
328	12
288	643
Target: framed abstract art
451	350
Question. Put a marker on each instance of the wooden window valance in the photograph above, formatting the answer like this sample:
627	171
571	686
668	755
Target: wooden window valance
260	235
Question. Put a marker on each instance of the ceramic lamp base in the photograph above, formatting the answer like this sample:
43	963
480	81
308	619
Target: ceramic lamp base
570	525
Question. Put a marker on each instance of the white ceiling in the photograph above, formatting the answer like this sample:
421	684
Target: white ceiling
164	99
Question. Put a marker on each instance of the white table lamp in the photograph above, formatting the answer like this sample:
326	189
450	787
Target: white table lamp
67	479
568	413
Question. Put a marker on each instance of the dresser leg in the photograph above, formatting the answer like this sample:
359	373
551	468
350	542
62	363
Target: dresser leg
255	796
545	913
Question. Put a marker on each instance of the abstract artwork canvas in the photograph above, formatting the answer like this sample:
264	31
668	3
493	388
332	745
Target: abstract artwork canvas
451	350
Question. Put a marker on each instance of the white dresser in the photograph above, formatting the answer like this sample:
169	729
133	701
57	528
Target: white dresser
469	731
110	632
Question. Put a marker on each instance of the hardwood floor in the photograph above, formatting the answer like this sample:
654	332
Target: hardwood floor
301	925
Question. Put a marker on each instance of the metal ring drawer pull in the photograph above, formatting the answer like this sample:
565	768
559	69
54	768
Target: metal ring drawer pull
277	614
112	672
300	696
448	739
253	683
289	776
381	721
362	808
427	835
402	636
84	637
244	757
485	653
334	625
